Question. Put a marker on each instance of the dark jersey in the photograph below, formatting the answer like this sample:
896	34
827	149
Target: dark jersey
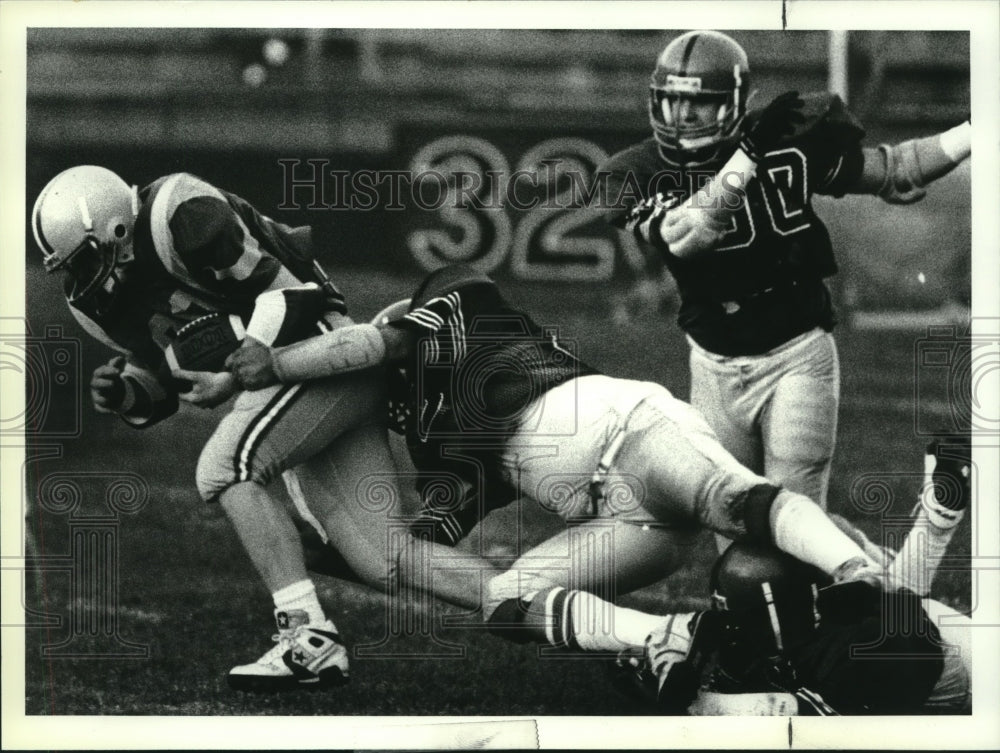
197	250
870	652
763	283
478	367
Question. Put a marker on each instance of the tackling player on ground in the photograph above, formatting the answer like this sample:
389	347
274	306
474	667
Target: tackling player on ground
721	195
490	398
790	645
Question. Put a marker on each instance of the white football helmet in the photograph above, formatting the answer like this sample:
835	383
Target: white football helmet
83	222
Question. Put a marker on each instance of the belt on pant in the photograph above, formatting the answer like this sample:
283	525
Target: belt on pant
597	481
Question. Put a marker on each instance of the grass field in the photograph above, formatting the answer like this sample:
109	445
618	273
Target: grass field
186	592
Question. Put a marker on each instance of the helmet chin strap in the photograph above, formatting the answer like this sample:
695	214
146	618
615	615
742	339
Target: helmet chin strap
108	291
124	255
103	288
684	157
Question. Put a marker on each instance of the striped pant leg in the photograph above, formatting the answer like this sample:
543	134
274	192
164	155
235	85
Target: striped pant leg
271	430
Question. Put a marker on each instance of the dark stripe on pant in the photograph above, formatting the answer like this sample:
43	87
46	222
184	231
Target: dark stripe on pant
265	432
251	427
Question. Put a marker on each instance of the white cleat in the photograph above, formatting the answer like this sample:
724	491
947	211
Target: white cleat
303	657
676	654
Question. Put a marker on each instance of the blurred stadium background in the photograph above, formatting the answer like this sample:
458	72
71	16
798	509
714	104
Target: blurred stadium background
234	106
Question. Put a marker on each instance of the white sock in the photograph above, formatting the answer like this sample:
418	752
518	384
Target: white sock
919	557
599	625
803	530
579	620
302	596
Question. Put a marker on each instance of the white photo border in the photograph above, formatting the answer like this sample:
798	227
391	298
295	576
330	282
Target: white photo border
980	18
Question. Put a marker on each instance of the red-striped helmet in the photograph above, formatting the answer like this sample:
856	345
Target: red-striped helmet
699	66
83	222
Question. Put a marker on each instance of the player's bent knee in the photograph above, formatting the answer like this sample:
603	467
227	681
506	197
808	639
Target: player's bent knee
214	482
211	480
215	475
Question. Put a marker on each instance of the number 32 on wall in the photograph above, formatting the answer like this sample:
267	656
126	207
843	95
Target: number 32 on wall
491	214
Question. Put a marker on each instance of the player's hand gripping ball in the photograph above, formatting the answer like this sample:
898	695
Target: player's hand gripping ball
765	131
203	344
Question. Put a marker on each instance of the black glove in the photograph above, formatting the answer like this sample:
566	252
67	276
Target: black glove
766	130
952	469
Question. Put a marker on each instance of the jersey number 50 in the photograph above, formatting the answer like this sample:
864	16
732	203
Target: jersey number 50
783	193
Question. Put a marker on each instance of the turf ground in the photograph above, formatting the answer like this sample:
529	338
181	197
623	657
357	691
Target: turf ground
186	595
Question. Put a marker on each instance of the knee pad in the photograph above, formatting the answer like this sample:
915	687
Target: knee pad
756	508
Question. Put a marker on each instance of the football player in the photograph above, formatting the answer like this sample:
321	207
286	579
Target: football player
135	260
792	652
504	406
721	195
792	644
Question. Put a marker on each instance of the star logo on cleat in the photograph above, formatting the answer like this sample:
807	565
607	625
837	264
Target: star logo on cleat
299	656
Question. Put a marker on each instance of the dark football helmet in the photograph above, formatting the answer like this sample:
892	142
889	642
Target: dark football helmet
700	66
445	280
775	593
83	222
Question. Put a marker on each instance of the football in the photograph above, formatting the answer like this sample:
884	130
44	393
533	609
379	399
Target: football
204	344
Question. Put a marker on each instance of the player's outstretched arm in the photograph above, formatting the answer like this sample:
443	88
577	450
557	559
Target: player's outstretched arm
352	348
696	225
898	173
